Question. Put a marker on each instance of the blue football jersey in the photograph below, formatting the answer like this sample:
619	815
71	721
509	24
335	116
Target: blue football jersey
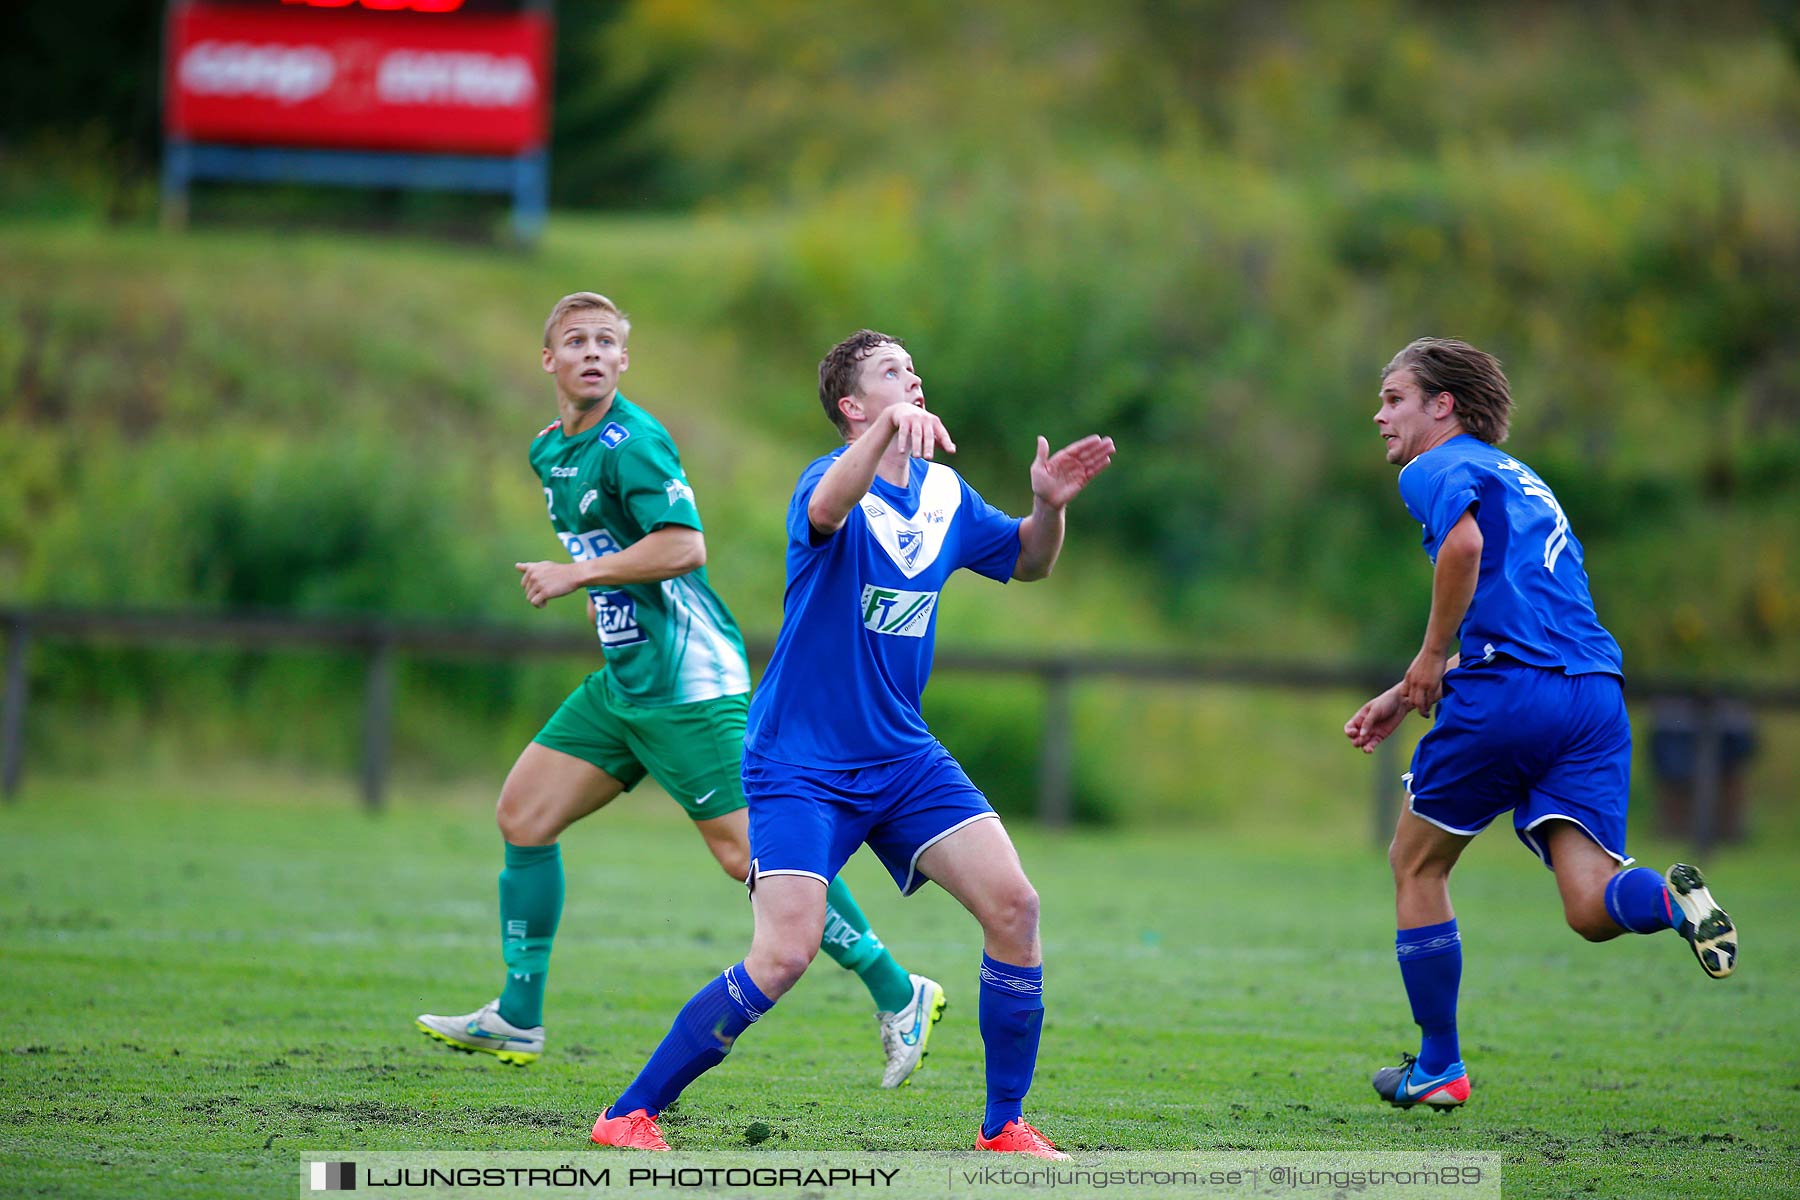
1531	601
859	618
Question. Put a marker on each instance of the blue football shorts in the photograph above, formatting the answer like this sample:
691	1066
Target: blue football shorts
1546	745
810	820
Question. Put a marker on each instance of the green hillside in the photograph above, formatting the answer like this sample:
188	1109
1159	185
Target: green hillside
322	424
325	425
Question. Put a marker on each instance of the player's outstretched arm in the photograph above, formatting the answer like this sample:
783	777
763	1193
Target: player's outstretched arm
1056	479
916	432
663	553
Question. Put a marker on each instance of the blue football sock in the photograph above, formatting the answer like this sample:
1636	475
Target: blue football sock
531	901
1011	1018
1638	901
697	1042
1431	966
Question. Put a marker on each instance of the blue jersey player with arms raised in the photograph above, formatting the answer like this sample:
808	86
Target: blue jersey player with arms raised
837	753
669	703
1530	707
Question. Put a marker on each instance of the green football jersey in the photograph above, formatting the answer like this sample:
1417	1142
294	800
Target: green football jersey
666	643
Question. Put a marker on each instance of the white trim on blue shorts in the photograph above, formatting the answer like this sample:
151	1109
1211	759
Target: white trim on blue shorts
1543	850
755	873
1411	807
806	874
1468	833
912	867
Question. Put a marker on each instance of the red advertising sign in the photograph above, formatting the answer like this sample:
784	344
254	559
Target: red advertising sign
360	79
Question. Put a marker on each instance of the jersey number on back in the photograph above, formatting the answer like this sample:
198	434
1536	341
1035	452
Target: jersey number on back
1533	486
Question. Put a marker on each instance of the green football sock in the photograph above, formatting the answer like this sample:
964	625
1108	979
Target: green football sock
853	946
531	900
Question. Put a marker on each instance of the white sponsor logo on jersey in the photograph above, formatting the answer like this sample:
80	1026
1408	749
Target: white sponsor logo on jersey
564	472
615	619
595	543
678	491
896	612
587	501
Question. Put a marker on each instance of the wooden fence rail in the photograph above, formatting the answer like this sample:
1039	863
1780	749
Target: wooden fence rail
379	641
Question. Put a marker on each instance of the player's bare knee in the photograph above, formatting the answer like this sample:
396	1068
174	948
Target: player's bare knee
528	830
1591	922
778	968
513	825
523	823
1412	866
733	860
1602	930
1012	914
1404	861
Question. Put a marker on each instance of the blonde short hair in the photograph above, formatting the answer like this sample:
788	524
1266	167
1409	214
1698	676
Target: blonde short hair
575	302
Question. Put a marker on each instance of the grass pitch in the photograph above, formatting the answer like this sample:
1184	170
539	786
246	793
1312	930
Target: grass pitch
202	984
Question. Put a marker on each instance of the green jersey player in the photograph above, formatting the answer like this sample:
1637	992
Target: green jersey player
670	701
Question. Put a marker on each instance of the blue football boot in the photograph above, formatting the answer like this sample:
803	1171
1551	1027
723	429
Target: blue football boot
1405	1085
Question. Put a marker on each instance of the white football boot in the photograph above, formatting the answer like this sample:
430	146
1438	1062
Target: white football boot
487	1032
1703	923
904	1034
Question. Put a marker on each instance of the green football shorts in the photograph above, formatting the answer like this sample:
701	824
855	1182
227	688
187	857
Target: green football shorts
695	751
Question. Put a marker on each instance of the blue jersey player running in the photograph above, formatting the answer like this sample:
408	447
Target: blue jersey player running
1531	712
837	754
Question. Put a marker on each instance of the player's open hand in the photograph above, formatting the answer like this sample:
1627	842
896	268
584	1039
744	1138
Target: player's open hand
1058	478
545	581
918	433
1375	720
